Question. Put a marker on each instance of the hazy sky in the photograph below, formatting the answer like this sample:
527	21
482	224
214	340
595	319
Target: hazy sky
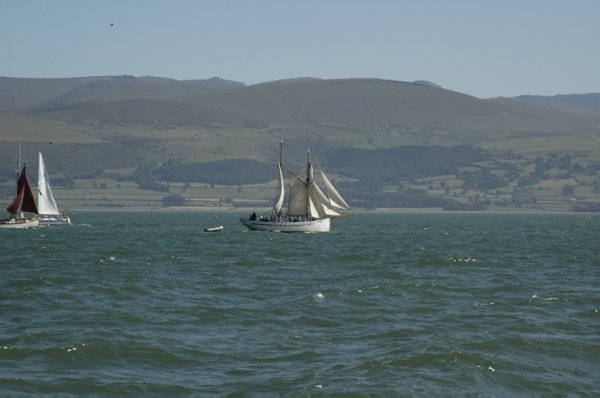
481	48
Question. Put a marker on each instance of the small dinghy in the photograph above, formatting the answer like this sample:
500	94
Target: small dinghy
215	229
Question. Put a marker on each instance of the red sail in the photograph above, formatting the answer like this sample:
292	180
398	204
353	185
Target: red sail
29	203
24	194
14	206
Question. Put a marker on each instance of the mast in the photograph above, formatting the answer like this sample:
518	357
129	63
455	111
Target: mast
18	167
281	155
19	175
308	181
282	182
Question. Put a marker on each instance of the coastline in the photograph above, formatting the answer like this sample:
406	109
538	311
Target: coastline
249	210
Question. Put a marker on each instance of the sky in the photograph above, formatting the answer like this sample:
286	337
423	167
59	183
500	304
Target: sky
482	48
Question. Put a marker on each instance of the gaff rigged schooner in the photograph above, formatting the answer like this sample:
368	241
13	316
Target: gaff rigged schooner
309	209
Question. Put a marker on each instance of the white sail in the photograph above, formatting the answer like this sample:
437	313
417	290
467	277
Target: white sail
46	202
281	191
335	198
313	210
318	209
297	200
325	203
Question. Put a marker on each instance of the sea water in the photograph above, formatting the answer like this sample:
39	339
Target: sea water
386	303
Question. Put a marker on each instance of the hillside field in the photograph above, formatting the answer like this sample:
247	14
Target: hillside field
371	135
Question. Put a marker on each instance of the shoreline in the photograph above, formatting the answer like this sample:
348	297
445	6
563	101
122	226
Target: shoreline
206	209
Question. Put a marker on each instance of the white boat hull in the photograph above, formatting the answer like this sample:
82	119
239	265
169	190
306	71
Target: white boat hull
20	223
214	229
320	225
55	220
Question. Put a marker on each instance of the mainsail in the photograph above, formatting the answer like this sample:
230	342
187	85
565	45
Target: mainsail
25	199
297	205
46	202
280	191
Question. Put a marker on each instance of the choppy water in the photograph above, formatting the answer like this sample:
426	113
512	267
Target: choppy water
387	303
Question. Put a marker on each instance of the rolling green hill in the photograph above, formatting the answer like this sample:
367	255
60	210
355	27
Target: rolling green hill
354	103
475	146
18	94
592	99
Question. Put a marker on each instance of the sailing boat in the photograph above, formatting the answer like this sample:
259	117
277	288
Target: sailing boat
25	201
309	209
48	210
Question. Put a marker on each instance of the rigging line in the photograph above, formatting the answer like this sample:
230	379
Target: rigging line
291	172
31	175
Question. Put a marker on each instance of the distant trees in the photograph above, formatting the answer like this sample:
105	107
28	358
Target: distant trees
483	180
540	168
173	200
403	162
374	174
68	183
154	186
593	208
143	175
227	172
568	190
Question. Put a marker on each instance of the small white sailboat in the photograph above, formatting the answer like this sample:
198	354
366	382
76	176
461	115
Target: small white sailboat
309	209
24	202
48	210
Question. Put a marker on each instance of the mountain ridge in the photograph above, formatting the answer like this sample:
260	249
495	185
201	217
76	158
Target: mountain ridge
21	94
341	102
590	99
